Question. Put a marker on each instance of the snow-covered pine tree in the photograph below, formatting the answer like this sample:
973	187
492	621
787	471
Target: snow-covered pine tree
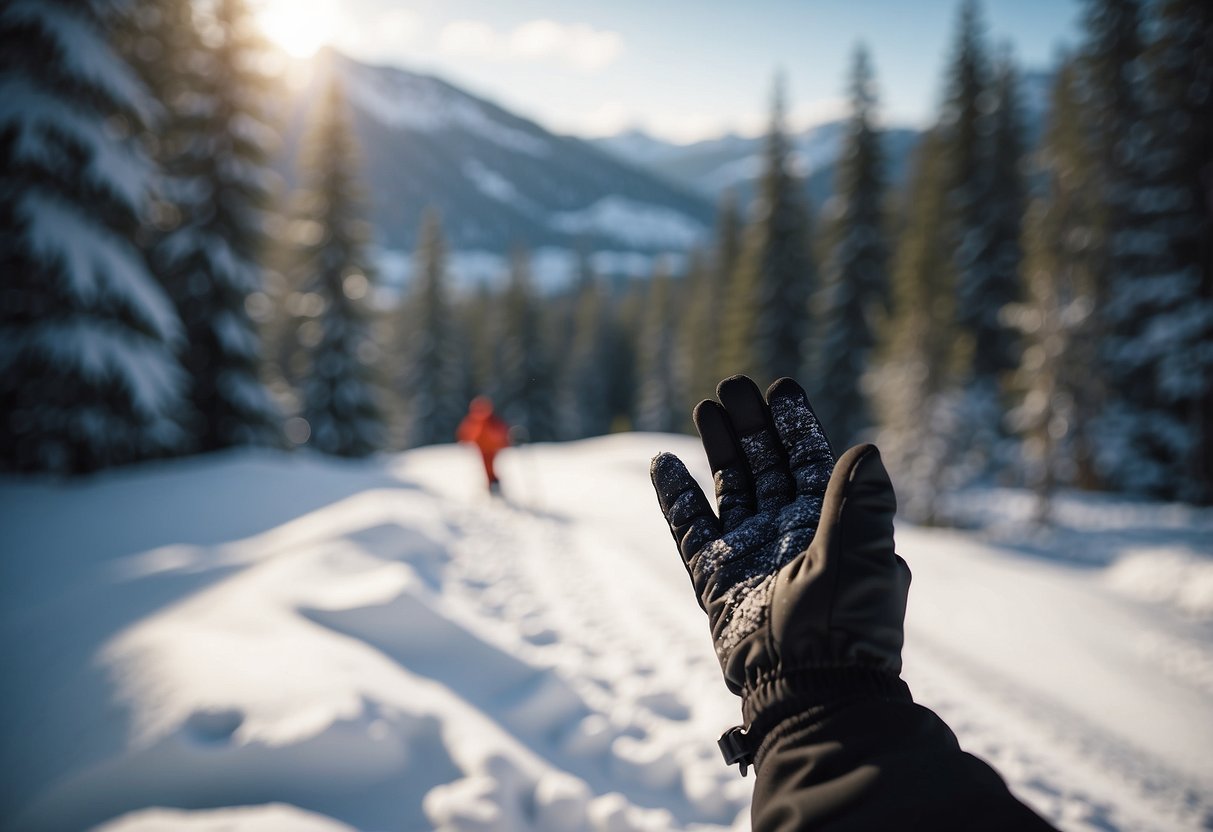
583	397
1151	314
160	41
1161	307
698	326
1063	234
996	345
964	128
767	313
855	296
88	377
340	393
208	257
917	399
523	380
661	403
1044	413
1058	393
430	380
980	121
705	290
1112	87
726	251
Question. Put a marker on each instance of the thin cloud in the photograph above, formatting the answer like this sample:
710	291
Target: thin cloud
383	38
576	45
607	119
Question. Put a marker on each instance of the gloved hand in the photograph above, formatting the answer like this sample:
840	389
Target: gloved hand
804	593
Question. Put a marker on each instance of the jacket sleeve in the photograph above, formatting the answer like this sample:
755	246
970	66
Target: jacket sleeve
877	764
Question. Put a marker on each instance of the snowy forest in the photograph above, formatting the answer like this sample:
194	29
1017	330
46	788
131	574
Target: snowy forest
1028	309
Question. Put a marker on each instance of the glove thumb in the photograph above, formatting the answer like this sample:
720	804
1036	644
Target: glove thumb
859	600
861	501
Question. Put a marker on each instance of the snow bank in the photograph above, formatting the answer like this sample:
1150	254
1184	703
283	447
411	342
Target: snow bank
1172	576
371	661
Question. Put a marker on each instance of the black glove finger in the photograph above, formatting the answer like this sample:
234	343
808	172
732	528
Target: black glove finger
804	441
685	507
734	492
755	431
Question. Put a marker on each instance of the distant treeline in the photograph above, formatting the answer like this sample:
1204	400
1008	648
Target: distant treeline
1041	314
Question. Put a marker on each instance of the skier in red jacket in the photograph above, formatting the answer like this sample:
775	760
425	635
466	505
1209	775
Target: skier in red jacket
488	432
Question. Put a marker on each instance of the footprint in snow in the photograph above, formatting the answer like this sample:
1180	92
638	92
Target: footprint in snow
665	703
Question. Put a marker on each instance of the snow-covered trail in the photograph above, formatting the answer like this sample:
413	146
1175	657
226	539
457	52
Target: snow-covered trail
382	646
1084	697
1069	689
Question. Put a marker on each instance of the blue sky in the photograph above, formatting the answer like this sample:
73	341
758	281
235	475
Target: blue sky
679	69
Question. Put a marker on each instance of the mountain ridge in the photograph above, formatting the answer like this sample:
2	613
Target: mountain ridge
501	181
733	162
498	180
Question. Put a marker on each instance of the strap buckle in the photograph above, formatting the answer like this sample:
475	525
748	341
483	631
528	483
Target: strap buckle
737	746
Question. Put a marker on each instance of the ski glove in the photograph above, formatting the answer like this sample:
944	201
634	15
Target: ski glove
804	593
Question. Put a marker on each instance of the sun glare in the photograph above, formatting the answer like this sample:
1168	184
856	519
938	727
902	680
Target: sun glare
298	28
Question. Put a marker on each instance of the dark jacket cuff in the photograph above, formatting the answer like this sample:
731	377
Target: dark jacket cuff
784	702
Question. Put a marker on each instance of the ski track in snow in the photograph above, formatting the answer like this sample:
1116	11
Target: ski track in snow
417	655
1053	758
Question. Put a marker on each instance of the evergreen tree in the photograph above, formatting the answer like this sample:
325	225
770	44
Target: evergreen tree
624	374
1162	308
706	288
980	126
208	257
661	403
430	385
474	315
1112	86
161	42
1060	273
87	372
523	377
996	348
769	299
855	296
1150	110
340	399
1059	393
963	128
698	327
585	408
727	251
919	353
1052	320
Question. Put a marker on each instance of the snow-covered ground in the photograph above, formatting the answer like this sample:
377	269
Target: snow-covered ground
264	642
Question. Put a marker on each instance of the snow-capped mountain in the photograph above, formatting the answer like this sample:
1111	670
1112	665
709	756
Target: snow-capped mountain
497	180
733	162
501	181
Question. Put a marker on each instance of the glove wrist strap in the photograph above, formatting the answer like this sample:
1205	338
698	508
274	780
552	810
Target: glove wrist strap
807	695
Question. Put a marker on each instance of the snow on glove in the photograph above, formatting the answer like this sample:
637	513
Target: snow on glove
804	593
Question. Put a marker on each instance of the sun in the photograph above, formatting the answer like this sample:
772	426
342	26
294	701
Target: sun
298	27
